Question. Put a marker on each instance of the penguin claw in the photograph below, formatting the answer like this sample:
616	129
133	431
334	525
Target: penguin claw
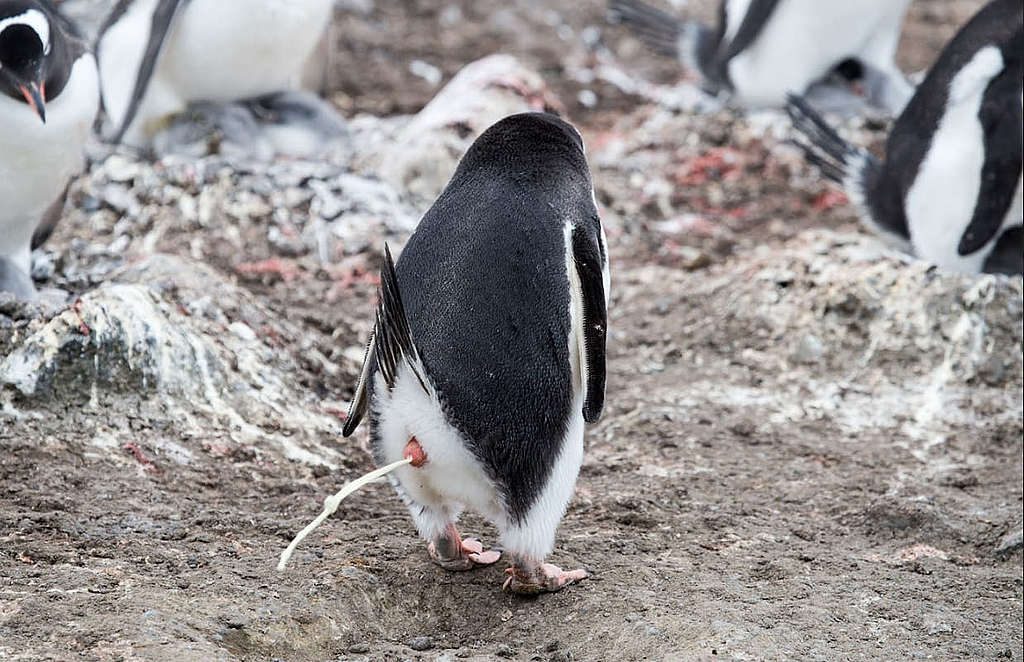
470	554
545	578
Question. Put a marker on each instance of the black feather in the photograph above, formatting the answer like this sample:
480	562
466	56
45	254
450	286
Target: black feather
391	335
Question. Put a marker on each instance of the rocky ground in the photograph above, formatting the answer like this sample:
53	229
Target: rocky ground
811	447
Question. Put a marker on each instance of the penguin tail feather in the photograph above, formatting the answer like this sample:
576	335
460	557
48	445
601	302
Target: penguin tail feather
663	33
392	337
838	160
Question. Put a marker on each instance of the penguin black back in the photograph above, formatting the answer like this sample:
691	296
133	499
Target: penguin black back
486	289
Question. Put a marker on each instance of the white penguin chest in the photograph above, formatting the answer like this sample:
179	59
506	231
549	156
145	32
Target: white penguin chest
222	50
37	159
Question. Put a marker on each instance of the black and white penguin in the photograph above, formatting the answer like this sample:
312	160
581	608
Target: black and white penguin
762	49
488	354
49	97
949	189
158	56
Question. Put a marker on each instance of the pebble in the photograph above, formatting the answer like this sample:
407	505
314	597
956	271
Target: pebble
421	643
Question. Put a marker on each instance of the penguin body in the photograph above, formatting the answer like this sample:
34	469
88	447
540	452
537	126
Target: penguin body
49	97
760	50
158	56
949	188
488	351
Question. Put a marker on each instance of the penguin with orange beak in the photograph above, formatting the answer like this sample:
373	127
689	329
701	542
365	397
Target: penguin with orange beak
49	97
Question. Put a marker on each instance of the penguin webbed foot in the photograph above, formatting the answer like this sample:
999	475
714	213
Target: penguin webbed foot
452	552
543	578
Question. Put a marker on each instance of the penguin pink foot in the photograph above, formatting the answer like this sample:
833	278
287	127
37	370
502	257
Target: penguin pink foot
453	553
544	578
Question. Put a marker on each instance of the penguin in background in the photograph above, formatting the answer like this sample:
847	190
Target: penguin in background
49	97
488	353
949	188
158	56
760	50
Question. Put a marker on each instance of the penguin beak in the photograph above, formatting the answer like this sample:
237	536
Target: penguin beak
35	95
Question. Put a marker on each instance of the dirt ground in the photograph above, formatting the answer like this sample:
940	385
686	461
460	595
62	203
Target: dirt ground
802	455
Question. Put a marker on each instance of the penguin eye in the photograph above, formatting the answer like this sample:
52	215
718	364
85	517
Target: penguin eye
20	47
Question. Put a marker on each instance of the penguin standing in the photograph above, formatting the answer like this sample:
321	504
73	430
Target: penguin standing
49	97
762	49
487	356
949	189
158	56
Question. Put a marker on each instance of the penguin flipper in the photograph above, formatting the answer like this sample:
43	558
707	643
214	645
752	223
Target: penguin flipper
390	344
588	262
1001	123
757	15
163	15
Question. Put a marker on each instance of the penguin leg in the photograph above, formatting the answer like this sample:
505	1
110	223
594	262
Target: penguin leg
531	539
450	551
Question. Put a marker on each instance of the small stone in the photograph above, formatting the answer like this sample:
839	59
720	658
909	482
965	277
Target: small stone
421	643
809	349
243	331
505	651
939	627
361	647
1011	542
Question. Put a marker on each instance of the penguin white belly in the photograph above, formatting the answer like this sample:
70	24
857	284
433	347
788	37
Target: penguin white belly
941	201
801	41
38	159
452	478
222	50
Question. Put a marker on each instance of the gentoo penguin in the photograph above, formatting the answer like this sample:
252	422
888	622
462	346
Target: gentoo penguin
949	189
49	97
488	353
158	56
762	49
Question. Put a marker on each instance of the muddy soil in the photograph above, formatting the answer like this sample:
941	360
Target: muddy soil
812	448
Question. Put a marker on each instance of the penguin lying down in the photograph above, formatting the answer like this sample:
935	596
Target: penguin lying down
949	189
488	352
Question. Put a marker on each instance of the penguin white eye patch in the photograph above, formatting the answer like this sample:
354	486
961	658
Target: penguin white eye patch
34	19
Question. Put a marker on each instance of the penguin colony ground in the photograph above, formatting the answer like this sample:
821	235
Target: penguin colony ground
488	352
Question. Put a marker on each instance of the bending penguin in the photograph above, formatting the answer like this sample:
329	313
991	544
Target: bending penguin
158	56
49	97
762	49
949	189
488	353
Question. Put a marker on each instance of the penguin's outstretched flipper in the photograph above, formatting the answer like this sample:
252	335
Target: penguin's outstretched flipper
390	344
163	15
589	286
854	168
837	159
687	41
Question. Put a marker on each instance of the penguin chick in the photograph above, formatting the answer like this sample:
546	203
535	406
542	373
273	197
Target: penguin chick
158	56
761	49
949	189
488	353
49	97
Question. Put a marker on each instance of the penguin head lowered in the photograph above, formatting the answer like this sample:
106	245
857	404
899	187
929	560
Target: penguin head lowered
25	52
